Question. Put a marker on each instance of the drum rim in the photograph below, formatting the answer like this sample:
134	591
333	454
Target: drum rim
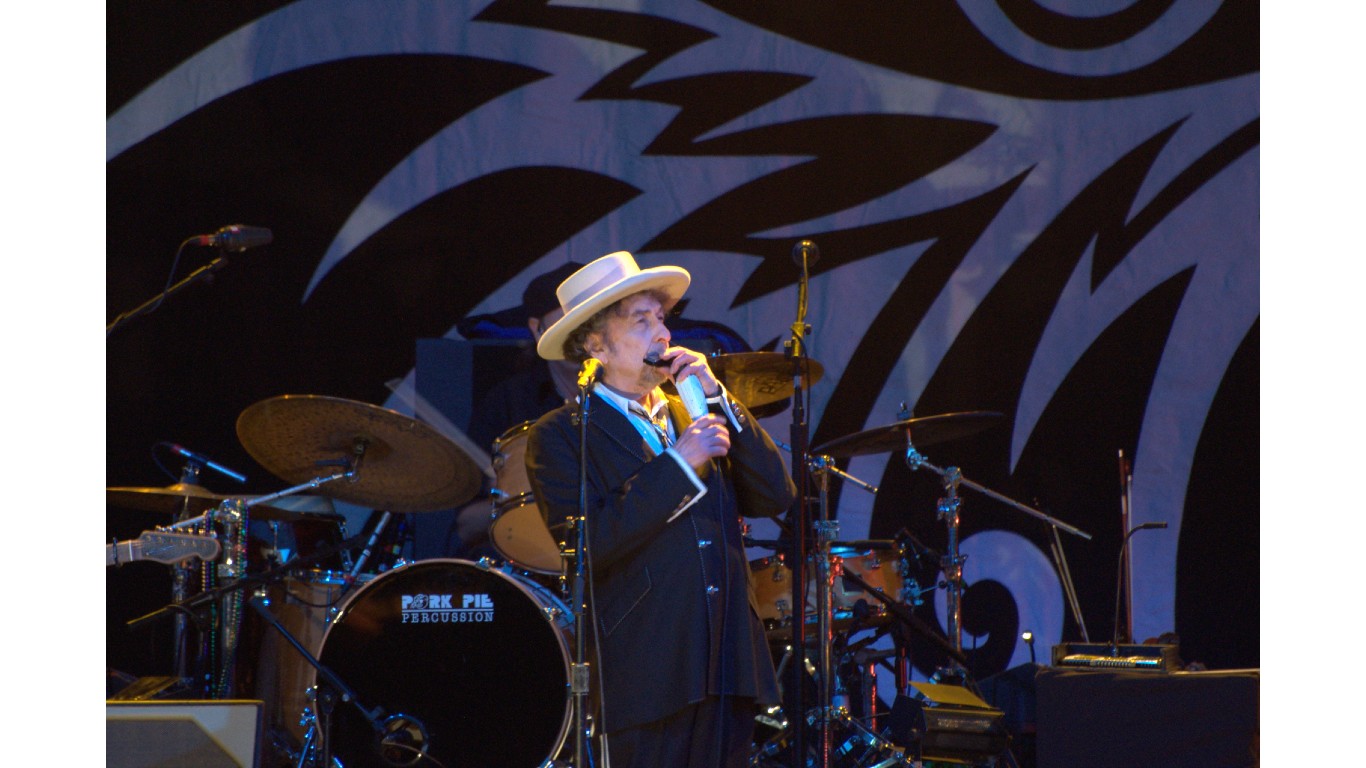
514	431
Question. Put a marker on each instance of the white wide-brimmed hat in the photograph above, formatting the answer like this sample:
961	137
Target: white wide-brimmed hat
600	284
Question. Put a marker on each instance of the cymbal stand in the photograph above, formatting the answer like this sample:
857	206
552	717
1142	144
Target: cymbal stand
949	507
804	253
180	587
947	511
205	518
827	530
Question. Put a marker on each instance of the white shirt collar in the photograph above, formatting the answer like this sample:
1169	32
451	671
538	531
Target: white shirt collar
626	405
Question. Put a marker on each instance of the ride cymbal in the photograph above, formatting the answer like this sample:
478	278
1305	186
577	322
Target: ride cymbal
401	464
761	378
924	431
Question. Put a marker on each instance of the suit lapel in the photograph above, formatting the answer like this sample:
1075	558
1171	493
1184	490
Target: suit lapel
616	426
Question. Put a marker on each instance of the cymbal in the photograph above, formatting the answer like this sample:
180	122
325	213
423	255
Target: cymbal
195	500
405	465
761	378
925	431
170	500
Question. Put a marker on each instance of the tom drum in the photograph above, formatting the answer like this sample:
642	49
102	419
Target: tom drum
518	532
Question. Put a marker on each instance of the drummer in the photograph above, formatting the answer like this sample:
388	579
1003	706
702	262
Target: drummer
535	387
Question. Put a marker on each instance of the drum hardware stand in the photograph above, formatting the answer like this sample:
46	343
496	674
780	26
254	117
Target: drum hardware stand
369	546
908	618
827	571
248	503
403	739
231	564
804	253
948	509
180	585
1069	587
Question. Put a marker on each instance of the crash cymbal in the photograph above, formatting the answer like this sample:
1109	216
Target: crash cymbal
925	431
171	500
405	465
760	378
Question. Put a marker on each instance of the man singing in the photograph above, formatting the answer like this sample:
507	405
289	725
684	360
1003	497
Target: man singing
682	660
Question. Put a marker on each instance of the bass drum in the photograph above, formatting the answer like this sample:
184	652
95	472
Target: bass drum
470	666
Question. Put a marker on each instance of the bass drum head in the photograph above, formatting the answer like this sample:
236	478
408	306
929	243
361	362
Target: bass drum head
478	657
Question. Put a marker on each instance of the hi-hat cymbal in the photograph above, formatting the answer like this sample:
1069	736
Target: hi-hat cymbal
405	465
761	378
925	431
171	500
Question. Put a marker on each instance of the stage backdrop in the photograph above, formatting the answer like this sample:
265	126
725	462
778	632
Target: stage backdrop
1046	209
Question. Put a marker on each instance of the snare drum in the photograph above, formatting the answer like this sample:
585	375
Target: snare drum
477	657
518	532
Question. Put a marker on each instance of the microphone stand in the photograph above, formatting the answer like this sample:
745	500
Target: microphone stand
804	253
1119	587
579	677
154	302
1126	563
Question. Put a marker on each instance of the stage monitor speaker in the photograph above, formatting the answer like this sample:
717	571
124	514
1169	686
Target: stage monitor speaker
182	734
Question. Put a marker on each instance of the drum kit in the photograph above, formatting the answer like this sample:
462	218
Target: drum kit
457	662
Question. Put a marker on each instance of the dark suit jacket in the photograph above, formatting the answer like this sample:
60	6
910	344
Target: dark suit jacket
675	617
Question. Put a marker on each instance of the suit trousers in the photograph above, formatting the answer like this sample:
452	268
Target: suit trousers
717	732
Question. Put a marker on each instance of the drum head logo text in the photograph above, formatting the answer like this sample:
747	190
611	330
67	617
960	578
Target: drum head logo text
441	609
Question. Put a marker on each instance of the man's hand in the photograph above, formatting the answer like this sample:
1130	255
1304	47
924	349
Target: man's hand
705	439
684	362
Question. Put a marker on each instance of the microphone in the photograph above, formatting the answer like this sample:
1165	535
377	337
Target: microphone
694	399
592	368
203	460
805	253
236	237
1119	580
